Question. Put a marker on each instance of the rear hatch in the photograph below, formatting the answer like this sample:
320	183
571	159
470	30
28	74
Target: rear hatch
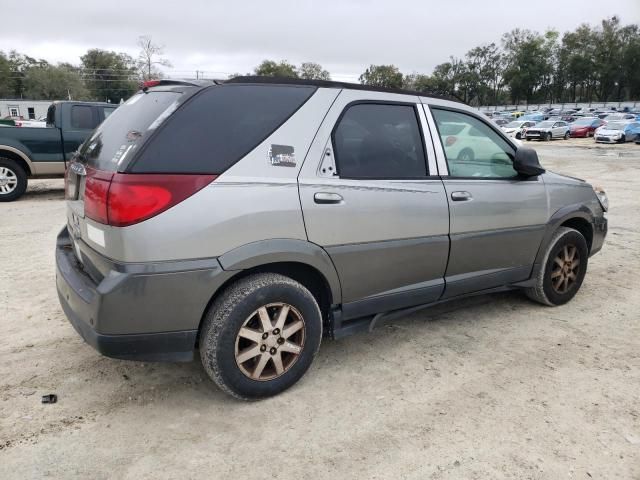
161	147
106	151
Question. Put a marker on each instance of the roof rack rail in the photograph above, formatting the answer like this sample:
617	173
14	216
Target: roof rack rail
332	84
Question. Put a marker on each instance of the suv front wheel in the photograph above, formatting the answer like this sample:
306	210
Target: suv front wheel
563	270
260	336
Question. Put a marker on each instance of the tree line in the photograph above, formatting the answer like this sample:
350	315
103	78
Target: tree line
591	63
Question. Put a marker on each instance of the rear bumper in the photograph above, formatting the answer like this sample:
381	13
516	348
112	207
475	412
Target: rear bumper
147	312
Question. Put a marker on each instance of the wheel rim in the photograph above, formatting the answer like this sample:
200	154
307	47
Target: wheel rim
566	268
270	341
8	181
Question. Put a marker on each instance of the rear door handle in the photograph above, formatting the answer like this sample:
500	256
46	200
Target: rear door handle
461	196
325	198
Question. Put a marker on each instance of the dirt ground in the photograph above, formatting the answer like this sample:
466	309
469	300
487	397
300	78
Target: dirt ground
490	387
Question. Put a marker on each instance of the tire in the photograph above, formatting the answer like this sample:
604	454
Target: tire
466	155
528	139
623	139
13	180
239	308
518	136
548	137
567	135
551	274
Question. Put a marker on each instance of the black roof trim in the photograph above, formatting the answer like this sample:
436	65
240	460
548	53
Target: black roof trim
332	84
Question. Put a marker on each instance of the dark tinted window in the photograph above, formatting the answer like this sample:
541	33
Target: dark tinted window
218	127
82	117
379	141
124	129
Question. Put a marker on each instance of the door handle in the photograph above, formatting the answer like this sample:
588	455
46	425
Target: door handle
461	196
325	198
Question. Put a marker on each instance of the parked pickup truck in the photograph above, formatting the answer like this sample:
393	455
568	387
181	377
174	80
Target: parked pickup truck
43	152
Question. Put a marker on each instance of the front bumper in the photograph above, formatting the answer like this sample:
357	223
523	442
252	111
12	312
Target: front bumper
147	312
600	229
579	133
601	139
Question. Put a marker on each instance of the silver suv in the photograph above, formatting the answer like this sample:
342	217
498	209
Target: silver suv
245	220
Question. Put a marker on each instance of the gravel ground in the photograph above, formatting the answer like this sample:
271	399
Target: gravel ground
490	387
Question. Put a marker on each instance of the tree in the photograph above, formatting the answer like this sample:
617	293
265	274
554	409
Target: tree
5	76
527	56
150	57
313	71
19	65
109	75
269	68
54	82
387	76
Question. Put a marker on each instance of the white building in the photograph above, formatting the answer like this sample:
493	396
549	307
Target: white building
26	109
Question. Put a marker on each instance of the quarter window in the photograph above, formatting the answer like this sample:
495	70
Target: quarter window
472	148
379	141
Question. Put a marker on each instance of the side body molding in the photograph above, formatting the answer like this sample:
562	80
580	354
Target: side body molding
263	252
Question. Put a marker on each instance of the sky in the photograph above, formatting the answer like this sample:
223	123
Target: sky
225	37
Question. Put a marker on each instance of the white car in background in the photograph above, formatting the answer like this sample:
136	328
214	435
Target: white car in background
617	132
517	128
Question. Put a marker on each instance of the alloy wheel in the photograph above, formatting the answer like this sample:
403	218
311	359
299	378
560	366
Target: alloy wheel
566	269
8	181
270	341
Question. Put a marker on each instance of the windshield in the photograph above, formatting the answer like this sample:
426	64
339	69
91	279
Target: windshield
615	126
514	124
545	124
584	122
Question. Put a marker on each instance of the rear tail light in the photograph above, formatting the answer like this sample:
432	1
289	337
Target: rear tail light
121	199
150	83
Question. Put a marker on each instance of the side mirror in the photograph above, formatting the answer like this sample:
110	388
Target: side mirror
526	162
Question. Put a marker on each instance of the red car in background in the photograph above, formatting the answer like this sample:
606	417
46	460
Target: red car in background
584	127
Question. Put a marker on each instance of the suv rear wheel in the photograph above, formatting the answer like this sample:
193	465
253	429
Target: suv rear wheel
13	180
260	336
564	268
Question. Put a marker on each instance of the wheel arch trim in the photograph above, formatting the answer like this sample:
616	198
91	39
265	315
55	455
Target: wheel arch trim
21	154
569	212
264	252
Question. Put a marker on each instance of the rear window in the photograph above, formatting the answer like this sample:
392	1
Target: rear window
121	133
218	127
82	117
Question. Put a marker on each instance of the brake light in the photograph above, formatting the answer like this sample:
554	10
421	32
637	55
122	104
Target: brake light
450	140
150	83
121	199
96	191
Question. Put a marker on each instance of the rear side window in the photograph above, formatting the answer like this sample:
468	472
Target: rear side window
379	141
82	117
218	127
125	128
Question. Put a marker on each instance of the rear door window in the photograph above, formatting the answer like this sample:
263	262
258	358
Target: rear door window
82	117
379	141
218	127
